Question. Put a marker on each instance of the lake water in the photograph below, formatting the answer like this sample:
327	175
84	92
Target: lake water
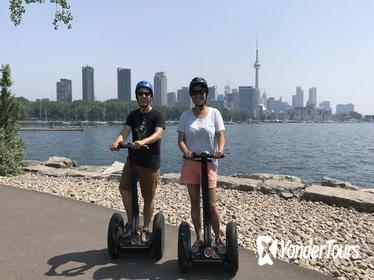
307	150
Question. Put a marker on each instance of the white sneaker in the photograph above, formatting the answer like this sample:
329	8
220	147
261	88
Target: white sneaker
145	236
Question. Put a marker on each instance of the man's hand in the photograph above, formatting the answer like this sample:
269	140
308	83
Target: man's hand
114	146
138	144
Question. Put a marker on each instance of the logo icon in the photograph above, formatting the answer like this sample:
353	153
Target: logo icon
263	256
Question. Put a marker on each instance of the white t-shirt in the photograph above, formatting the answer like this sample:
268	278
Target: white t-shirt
200	134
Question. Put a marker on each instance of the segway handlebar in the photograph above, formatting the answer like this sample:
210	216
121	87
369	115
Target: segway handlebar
202	155
129	146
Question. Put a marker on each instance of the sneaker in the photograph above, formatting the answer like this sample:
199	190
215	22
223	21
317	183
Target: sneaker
145	236
196	246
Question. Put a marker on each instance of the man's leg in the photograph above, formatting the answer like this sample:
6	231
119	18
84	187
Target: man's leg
125	191
148	184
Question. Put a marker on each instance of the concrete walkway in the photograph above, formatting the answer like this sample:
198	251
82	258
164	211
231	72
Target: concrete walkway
44	236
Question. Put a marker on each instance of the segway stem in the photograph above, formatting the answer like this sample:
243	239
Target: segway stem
206	207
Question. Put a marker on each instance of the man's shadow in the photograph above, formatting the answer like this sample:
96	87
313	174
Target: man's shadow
129	266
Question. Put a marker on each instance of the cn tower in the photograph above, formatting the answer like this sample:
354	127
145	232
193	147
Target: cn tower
257	64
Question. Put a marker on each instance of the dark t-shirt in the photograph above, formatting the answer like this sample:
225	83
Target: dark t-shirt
142	126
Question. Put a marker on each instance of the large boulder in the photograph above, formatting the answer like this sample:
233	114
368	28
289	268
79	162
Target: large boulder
360	199
60	162
335	183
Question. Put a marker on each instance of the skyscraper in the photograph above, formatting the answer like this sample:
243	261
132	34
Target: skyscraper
183	97
298	99
212	95
88	84
64	90
312	100
172	99
124	84
160	90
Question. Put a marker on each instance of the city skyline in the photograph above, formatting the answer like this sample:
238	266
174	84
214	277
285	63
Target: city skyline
320	44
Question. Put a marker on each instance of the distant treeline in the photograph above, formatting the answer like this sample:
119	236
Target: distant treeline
109	110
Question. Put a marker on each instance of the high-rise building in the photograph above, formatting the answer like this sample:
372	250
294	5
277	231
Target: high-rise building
124	84
88	83
264	99
312	100
298	99
227	89
325	106
247	99
172	98
183	96
160	89
212	93
64	90
345	108
271	104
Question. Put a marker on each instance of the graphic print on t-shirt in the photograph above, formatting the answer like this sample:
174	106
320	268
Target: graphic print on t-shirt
141	131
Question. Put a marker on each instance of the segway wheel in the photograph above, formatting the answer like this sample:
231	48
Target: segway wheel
184	244
232	248
115	228
158	236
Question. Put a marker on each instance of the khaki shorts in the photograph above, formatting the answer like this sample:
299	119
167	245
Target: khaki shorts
147	178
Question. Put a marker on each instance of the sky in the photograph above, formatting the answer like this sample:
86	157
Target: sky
325	44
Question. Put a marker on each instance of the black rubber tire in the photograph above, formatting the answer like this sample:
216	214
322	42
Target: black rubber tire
184	245
158	236
232	248
116	221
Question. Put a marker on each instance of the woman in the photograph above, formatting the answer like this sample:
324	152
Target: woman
201	129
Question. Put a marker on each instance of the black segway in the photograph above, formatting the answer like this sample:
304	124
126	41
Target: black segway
207	253
117	241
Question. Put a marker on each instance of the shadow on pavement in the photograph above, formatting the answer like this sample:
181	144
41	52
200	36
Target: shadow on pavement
129	266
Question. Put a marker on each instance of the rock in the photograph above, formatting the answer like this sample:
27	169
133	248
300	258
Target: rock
242	184
168	178
45	170
116	167
60	162
330	182
359	200
91	168
281	183
31	162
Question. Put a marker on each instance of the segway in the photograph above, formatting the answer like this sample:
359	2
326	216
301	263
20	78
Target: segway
207	253
117	241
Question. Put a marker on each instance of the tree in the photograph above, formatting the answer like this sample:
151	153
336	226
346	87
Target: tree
62	14
11	146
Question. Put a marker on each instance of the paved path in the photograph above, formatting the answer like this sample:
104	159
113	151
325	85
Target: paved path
44	236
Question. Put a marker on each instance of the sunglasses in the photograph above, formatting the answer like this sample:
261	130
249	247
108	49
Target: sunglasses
144	93
198	92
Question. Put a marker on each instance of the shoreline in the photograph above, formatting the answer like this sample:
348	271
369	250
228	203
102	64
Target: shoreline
254	212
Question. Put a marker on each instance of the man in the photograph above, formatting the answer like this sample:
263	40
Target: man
147	126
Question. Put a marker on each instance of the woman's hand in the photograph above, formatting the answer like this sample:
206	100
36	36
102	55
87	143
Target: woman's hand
218	154
188	155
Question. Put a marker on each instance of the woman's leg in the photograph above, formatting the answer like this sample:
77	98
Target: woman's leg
194	192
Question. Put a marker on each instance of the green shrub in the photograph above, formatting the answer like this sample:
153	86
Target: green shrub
11	145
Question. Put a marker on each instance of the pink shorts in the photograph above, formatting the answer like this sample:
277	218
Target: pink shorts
191	173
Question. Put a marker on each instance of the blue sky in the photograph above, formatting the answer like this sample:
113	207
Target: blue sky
323	44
